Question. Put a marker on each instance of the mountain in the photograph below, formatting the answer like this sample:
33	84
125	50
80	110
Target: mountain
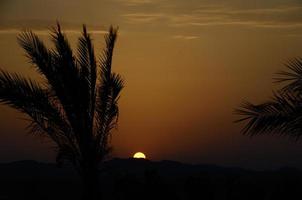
28	169
144	179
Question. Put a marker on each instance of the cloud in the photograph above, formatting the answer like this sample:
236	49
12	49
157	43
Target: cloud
185	37
232	11
257	24
47	31
271	17
135	2
143	17
294	35
281	17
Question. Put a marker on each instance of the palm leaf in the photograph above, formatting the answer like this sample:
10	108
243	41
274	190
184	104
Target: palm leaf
37	53
108	94
292	77
282	115
28	97
87	64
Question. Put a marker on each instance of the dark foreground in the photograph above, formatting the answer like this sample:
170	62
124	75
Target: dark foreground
143	179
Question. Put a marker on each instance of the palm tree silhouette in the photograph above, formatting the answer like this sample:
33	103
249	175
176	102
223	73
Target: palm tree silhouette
282	114
77	105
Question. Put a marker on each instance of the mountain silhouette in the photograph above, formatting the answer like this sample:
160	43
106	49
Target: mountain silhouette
145	179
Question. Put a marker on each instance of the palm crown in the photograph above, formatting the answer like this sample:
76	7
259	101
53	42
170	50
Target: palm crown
76	106
282	114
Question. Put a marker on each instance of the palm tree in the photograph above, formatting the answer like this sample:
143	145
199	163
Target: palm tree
282	114
76	106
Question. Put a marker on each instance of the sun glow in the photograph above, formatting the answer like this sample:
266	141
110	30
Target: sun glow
139	155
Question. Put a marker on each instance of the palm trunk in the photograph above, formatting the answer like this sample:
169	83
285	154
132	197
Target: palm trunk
90	181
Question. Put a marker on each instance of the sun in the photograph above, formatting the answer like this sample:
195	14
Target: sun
139	155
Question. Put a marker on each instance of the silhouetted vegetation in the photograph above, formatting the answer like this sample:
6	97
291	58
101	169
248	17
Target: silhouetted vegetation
77	104
282	114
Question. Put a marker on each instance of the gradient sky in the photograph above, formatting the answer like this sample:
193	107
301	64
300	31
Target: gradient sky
187	65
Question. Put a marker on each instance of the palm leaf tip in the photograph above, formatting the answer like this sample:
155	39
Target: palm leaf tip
36	51
292	76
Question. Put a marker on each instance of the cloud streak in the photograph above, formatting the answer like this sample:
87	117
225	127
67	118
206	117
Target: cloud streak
47	31
185	37
143	17
136	2
274	17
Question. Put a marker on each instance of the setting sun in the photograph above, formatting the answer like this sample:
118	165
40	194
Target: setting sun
139	155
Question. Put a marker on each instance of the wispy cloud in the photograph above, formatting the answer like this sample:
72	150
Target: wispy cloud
135	2
47	31
143	17
273	17
257	24
185	37
228	10
294	35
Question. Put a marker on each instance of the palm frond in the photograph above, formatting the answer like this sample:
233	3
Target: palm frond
37	53
87	64
63	50
108	119
282	115
28	97
108	93
104	90
57	66
292	76
86	59
67	82
106	59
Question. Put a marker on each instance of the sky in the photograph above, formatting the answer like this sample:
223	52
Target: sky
186	63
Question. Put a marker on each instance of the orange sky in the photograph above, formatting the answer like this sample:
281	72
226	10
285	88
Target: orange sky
187	65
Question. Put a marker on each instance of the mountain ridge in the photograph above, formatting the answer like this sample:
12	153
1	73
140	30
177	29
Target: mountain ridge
130	165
